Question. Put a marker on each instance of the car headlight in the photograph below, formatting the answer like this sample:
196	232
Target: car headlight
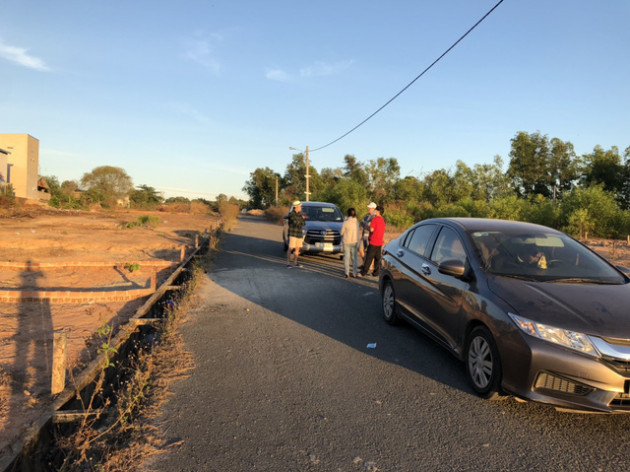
563	337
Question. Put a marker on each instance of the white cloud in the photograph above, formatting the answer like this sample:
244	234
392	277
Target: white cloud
202	50
20	56
319	69
277	74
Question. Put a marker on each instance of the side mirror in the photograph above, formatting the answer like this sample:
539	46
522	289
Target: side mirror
452	267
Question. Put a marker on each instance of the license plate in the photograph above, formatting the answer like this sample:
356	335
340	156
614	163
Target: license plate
324	246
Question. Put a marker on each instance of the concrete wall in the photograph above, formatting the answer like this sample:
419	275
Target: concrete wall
23	164
3	166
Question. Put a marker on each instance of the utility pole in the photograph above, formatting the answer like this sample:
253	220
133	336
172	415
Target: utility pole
308	194
276	189
308	176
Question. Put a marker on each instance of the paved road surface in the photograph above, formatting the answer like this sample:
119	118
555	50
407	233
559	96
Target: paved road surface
284	381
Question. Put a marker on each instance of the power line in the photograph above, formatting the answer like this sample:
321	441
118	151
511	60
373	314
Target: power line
412	82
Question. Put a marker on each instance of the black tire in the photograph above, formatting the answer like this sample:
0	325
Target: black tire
388	299
483	364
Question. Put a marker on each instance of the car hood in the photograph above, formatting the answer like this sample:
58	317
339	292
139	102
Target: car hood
323	225
602	310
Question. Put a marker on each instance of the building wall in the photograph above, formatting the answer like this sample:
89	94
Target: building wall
3	166
23	163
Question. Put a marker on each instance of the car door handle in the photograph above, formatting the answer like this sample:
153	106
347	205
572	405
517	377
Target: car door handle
400	253
426	270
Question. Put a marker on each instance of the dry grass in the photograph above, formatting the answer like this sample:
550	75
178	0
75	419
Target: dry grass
276	214
121	441
229	214
5	392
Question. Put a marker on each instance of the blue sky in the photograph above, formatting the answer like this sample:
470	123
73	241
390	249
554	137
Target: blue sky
190	96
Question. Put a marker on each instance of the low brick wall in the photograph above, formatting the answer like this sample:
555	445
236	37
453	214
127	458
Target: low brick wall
79	296
87	265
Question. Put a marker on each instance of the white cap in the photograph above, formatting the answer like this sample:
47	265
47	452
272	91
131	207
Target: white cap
372	205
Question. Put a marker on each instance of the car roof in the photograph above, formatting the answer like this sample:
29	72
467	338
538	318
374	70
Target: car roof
489	224
318	204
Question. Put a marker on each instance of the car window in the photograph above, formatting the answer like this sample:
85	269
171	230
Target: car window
543	256
448	247
322	213
418	240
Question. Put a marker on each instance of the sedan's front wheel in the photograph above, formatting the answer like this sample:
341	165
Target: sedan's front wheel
483	365
390	312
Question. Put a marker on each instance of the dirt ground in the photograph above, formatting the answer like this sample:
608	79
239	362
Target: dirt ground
39	235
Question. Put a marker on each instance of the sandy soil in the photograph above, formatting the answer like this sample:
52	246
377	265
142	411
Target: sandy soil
39	235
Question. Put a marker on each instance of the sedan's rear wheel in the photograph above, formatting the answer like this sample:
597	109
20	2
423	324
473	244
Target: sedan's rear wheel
390	312
483	365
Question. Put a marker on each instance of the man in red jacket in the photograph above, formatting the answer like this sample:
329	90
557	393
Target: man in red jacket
375	246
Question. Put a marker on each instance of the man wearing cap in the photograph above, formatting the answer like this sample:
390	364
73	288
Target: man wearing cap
296	222
377	234
365	227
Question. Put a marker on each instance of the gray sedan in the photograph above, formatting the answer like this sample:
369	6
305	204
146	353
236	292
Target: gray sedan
531	311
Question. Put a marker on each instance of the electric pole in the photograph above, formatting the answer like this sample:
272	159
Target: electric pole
308	194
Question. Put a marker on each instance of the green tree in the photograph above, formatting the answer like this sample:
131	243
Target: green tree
408	189
382	174
145	197
602	208
604	167
540	166
295	180
490	181
62	195
106	184
347	194
624	194
261	188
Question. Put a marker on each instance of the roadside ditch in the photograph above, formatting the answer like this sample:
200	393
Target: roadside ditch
93	423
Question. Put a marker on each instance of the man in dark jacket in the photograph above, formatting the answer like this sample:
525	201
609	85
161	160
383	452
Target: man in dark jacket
296	238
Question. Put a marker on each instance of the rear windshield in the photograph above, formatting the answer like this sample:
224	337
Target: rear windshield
322	213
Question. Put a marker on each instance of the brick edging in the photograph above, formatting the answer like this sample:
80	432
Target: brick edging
31	266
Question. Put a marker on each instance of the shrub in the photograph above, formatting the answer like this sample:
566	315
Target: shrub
145	220
276	214
229	213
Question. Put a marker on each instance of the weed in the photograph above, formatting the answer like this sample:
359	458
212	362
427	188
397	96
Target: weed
132	266
120	439
141	221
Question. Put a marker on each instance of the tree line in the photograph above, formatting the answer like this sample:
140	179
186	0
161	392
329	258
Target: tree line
545	182
111	187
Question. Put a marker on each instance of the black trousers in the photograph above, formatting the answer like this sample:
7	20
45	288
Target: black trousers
373	253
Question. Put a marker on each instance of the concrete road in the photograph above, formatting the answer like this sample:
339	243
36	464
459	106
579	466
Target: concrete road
284	381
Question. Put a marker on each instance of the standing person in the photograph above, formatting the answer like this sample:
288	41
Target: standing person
350	235
296	222
365	228
373	253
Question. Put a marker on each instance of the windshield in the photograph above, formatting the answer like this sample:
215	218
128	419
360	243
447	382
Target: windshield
322	213
541	256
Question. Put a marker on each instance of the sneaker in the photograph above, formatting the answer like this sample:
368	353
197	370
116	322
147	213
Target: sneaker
345	276
289	266
299	265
